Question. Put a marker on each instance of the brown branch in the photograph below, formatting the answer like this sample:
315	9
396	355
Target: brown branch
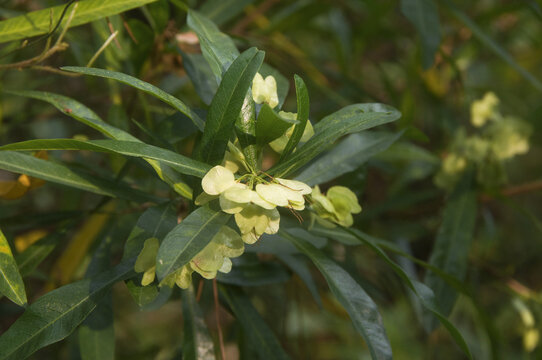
515	190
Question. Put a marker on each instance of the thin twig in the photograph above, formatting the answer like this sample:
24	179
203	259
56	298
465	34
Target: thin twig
102	48
217	317
54	70
516	190
200	290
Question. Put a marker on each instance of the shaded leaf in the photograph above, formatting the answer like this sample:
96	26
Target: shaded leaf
452	244
261	337
423	14
361	308
197	342
347	156
271	125
258	274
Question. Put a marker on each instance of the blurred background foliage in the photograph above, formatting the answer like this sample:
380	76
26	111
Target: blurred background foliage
431	62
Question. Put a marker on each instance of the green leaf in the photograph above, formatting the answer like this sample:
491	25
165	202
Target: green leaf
423	14
62	174
299	267
201	75
37	22
451	249
226	106
188	238
81	113
56	314
197	342
361	308
347	156
271	125
180	163
140	85
257	274
11	282
222	11
217	48
424	293
77	111
261	338
302	116
96	334
492	44
350	119
245	129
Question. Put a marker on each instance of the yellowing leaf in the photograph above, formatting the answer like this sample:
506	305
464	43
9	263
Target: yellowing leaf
72	257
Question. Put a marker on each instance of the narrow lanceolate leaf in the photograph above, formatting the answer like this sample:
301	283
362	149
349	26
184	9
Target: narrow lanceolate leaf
226	106
347	156
245	129
299	267
350	119
96	333
423	14
492	44
424	293
188	238
452	244
140	85
262	339
217	48
81	113
361	308
78	111
11	282
56	314
64	175
302	116
38	22
197	342
180	163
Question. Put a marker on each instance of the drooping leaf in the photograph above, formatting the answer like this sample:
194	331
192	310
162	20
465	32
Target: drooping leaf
226	106
140	85
423	14
11	282
347	156
361	308
81	113
350	119
302	117
62	174
37	22
56	314
188	238
424	293
180	163
217	48
262	339
452	244
197	342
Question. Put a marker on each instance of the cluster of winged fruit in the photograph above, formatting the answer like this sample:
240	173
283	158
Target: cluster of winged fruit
253	198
